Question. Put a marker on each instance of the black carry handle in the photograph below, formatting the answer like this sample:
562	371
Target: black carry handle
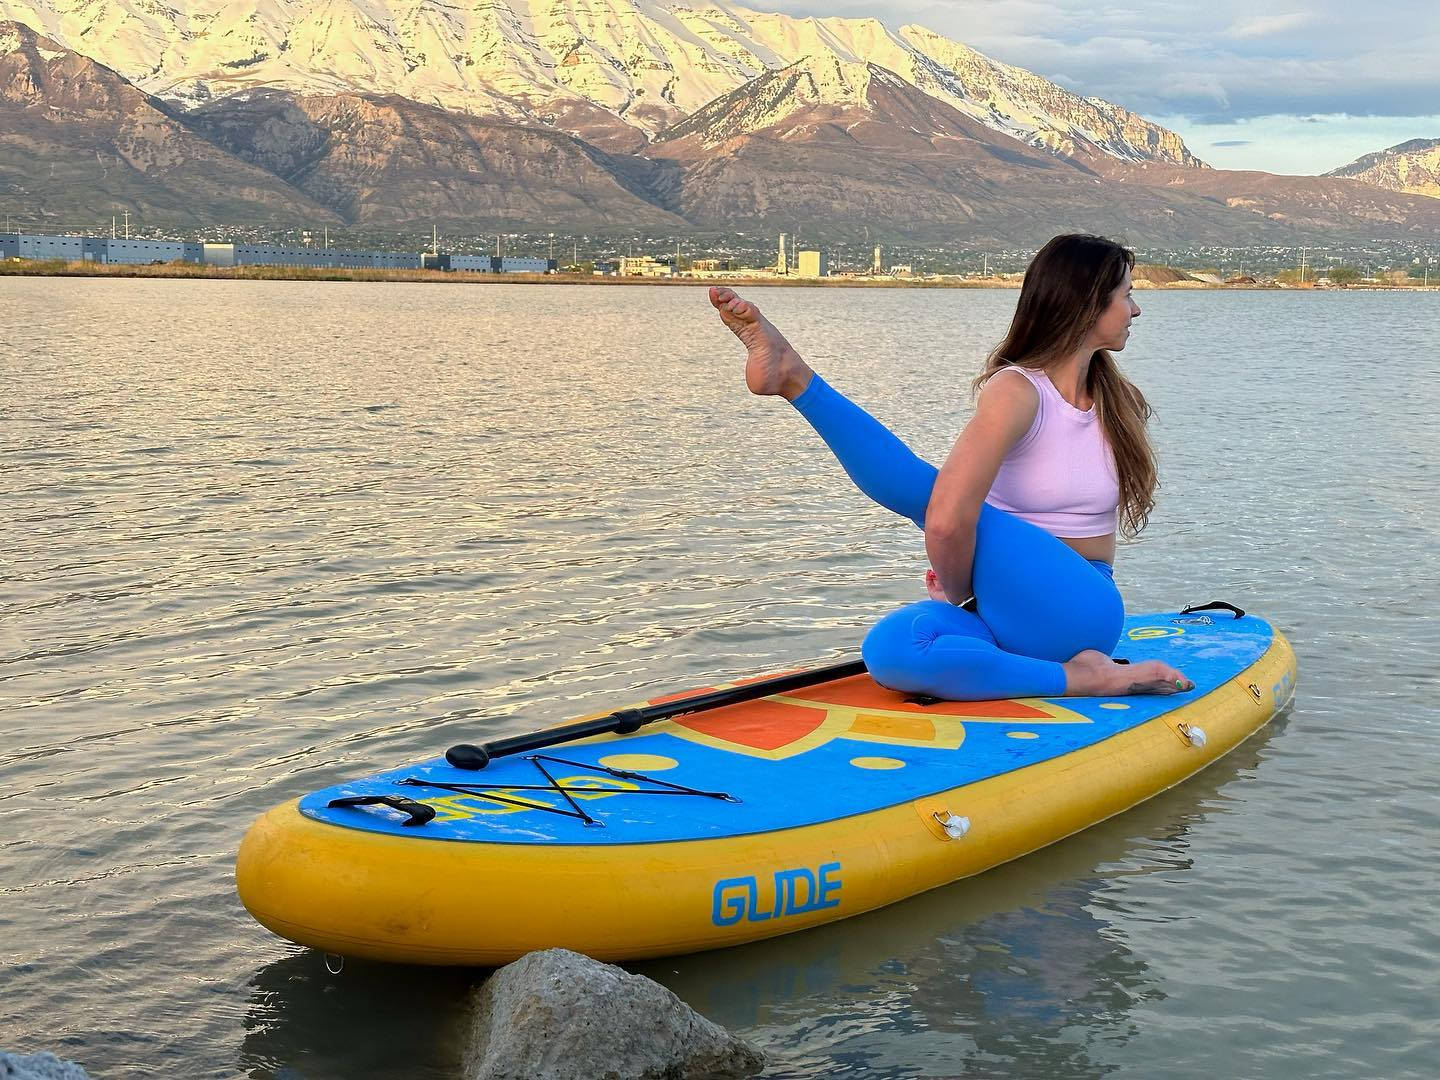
1213	605
418	811
625	721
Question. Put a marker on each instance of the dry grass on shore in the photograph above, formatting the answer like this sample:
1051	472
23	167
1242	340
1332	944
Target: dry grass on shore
61	268
1146	277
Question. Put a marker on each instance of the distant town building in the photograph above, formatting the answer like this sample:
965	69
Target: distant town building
814	264
218	254
97	249
641	266
901	270
487	264
69	248
515	264
113	250
317	258
143	252
712	265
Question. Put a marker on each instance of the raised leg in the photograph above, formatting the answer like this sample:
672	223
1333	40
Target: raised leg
881	466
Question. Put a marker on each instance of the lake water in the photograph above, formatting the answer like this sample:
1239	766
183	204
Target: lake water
257	538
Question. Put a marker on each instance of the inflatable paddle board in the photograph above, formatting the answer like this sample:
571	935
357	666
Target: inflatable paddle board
742	812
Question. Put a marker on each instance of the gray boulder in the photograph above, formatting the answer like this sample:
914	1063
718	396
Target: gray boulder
558	1015
41	1066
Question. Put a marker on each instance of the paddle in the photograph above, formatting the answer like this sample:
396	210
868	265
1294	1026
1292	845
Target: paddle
625	721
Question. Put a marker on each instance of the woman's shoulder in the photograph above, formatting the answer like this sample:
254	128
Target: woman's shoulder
1012	403
1003	390
1028	378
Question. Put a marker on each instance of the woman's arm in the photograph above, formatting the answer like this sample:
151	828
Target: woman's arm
1003	415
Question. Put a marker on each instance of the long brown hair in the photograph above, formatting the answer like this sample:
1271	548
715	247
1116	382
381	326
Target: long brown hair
1067	285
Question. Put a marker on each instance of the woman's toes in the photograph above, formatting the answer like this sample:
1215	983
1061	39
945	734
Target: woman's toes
1155	686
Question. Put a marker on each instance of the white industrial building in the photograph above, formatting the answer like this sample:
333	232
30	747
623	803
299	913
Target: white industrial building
813	264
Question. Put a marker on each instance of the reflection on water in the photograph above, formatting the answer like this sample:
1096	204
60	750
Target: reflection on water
370	1020
262	537
1021	971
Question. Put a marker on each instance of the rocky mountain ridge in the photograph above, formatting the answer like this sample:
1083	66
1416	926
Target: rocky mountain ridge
391	159
579	65
74	133
1412	166
836	147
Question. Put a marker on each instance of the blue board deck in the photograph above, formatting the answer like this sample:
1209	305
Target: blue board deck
818	754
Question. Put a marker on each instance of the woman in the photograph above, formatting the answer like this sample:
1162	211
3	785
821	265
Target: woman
1021	521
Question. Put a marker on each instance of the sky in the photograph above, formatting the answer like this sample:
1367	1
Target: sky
1283	86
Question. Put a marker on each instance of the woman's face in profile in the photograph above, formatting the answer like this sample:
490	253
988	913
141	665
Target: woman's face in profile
1112	328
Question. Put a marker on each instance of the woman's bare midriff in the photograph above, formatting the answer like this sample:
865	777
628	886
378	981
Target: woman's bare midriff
1093	547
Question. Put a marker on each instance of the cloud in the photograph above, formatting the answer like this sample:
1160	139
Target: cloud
1301	145
1254	26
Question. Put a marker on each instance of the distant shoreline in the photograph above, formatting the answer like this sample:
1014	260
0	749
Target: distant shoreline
28	268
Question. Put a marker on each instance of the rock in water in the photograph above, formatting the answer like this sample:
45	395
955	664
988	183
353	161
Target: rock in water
558	1015
41	1066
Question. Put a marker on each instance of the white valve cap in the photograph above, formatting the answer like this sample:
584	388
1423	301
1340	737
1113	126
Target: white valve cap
954	825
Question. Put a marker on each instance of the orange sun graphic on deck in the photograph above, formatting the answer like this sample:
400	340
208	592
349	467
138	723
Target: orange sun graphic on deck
784	725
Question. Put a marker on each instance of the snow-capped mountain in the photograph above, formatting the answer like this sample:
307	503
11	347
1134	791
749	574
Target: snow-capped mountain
768	100
573	64
78	141
828	141
1412	166
388	158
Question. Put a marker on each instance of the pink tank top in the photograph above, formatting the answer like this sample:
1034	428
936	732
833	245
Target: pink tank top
1061	474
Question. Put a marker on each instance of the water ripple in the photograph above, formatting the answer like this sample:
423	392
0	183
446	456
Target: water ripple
240	563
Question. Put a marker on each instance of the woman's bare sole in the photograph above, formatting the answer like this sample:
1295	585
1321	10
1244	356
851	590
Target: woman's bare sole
772	366
1093	674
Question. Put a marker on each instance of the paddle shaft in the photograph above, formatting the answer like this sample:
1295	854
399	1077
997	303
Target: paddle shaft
624	721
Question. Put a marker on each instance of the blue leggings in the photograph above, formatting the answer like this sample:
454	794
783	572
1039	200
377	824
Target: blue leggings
1038	602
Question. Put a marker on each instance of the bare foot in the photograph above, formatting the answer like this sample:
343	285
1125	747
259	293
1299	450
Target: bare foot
772	366
1093	674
